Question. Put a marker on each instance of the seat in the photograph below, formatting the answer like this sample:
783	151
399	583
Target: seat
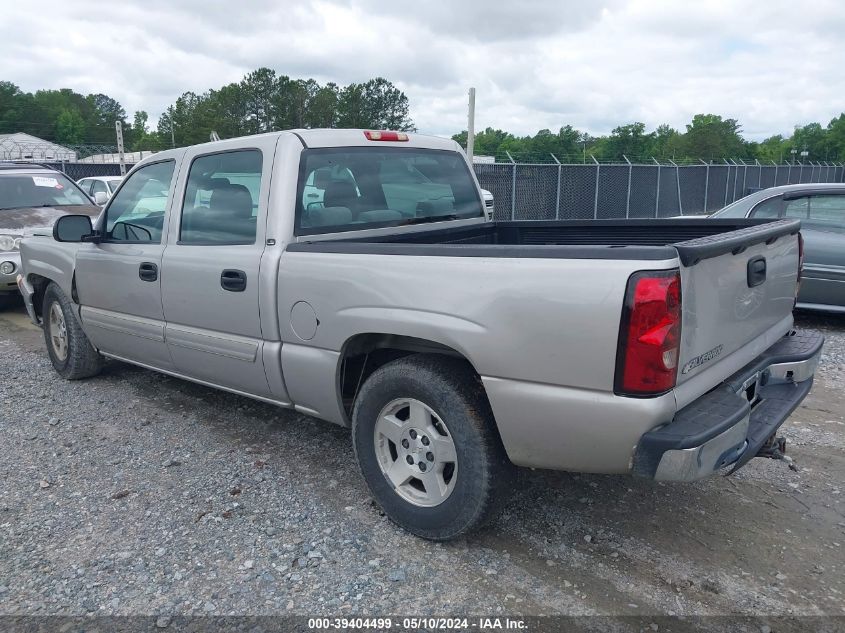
340	193
232	201
436	207
329	216
228	216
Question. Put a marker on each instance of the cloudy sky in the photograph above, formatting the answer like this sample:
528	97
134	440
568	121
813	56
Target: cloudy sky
536	64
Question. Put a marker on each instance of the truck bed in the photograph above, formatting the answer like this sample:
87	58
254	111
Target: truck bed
690	240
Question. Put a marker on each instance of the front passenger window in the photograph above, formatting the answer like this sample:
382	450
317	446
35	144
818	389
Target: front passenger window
136	212
221	199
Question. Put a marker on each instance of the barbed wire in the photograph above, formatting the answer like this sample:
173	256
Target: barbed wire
14	150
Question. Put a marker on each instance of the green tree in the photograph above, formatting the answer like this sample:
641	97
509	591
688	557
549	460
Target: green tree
375	104
710	136
666	142
836	137
628	140
813	139
70	128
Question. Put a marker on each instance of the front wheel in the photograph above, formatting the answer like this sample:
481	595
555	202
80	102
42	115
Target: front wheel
424	439
70	351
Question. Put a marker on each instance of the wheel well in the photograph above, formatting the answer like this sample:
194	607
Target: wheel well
365	353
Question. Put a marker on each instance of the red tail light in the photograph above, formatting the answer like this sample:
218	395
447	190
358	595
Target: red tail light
649	334
382	135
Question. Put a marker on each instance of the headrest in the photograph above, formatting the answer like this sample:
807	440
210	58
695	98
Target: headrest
232	200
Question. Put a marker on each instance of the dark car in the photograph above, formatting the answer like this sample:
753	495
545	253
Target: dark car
31	198
821	209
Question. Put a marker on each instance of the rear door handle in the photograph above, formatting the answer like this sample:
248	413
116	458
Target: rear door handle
233	280
148	271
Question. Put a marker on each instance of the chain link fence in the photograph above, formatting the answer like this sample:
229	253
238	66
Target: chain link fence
540	191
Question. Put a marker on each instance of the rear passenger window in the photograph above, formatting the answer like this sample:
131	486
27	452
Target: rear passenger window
221	199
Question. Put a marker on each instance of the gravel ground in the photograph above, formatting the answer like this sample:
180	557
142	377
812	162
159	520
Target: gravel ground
136	493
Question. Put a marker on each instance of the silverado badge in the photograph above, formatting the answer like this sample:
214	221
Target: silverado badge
698	361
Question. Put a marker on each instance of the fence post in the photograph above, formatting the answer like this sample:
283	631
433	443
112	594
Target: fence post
596	200
744	176
513	185
678	182
557	196
118	129
657	197
628	199
789	175
775	181
706	182
727	181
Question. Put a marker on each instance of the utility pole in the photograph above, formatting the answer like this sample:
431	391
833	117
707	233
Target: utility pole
471	126
118	129
172	133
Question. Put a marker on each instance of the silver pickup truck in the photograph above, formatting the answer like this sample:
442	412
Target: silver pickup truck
351	275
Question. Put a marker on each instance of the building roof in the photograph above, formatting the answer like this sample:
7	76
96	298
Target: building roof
22	146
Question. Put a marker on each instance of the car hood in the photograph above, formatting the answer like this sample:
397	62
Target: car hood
37	220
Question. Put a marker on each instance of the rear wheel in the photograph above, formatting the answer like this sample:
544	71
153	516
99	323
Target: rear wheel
425	442
70	351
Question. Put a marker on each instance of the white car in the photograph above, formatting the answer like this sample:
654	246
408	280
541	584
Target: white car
100	188
488	204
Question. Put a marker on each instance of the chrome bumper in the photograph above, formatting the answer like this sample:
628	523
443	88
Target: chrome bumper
729	425
27	291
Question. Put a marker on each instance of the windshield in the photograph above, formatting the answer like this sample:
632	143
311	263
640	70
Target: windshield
113	184
45	189
354	188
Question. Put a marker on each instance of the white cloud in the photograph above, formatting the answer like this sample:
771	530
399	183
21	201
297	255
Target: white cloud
536	64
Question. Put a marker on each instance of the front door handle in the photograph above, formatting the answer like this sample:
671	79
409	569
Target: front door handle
233	280
148	271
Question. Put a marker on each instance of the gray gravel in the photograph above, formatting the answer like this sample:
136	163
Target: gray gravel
136	493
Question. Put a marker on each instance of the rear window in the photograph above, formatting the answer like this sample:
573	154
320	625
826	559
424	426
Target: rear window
42	189
354	188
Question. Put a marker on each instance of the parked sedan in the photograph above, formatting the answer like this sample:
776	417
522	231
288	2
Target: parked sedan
821	209
100	188
31	198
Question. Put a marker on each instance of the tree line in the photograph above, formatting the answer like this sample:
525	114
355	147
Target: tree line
262	101
707	137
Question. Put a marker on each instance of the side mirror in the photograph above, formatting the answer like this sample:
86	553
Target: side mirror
72	228
101	197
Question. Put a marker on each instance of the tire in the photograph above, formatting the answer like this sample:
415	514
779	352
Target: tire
69	349
430	401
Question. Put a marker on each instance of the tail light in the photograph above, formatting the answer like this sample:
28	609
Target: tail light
383	135
649	334
800	267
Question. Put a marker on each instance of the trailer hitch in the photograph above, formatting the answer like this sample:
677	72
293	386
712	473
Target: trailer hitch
775	448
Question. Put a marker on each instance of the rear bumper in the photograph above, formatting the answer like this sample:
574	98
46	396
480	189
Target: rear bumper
729	425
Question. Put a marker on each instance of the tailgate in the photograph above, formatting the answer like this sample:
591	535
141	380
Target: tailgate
736	287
